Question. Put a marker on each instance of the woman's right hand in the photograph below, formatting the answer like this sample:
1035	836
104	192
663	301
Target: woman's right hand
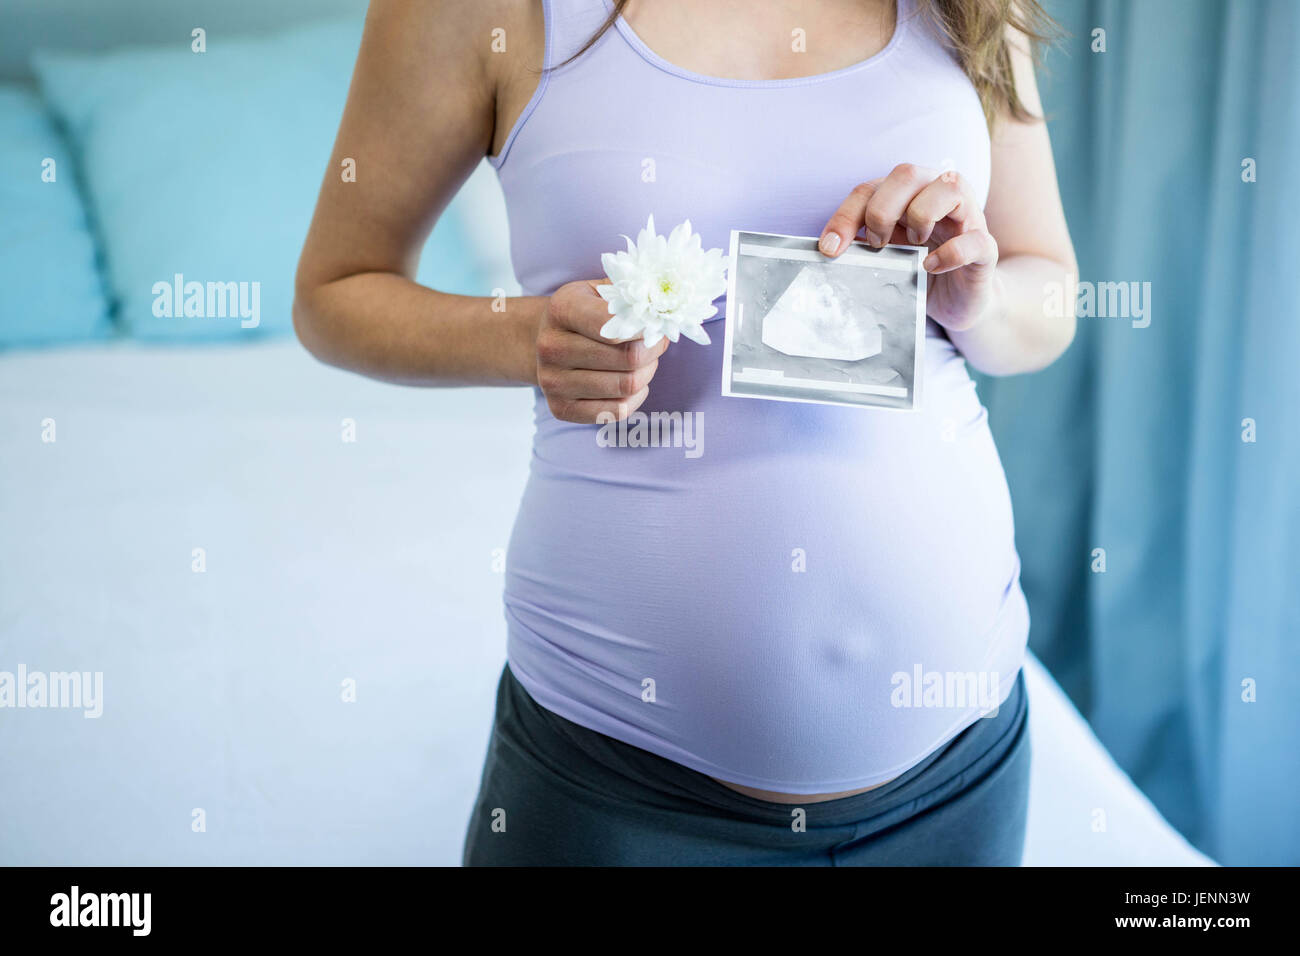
583	375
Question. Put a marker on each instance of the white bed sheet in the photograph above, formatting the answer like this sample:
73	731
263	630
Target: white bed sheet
326	561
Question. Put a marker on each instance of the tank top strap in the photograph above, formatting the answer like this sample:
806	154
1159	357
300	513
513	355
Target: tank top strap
569	25
907	14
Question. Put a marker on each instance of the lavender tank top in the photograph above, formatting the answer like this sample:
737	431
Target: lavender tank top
799	598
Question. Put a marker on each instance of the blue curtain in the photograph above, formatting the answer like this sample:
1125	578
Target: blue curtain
1135	448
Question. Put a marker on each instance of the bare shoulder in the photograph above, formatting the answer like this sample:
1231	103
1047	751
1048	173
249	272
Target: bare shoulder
506	38
473	38
471	63
510	38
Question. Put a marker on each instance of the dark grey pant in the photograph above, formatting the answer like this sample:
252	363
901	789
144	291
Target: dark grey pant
557	794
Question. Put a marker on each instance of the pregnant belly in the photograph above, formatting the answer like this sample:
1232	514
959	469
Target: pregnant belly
767	599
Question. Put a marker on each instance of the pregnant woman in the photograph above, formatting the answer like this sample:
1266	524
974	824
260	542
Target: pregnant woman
801	646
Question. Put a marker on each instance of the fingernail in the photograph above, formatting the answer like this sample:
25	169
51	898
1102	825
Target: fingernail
913	237
830	242
873	239
931	263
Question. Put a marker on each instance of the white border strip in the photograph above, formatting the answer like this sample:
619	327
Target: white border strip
760	376
853	256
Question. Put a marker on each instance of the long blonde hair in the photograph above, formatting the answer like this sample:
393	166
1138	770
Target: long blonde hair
977	33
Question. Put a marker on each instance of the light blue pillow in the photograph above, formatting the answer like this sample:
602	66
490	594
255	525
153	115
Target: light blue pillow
53	291
207	165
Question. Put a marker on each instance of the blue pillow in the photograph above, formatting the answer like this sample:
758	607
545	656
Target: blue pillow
52	287
202	170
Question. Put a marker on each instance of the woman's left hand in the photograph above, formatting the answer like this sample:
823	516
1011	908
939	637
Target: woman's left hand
920	206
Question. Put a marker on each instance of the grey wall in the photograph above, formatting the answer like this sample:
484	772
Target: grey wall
26	25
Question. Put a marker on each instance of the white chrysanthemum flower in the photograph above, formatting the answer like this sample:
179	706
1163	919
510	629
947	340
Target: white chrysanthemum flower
662	287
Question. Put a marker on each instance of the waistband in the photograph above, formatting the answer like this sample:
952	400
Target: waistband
619	772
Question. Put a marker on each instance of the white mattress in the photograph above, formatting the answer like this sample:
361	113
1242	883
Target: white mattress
326	561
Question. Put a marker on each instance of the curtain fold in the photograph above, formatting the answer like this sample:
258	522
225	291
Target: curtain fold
1133	444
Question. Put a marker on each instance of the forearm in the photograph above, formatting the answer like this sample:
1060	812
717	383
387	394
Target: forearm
1018	334
385	326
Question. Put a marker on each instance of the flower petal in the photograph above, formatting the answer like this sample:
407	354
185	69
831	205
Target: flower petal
696	333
